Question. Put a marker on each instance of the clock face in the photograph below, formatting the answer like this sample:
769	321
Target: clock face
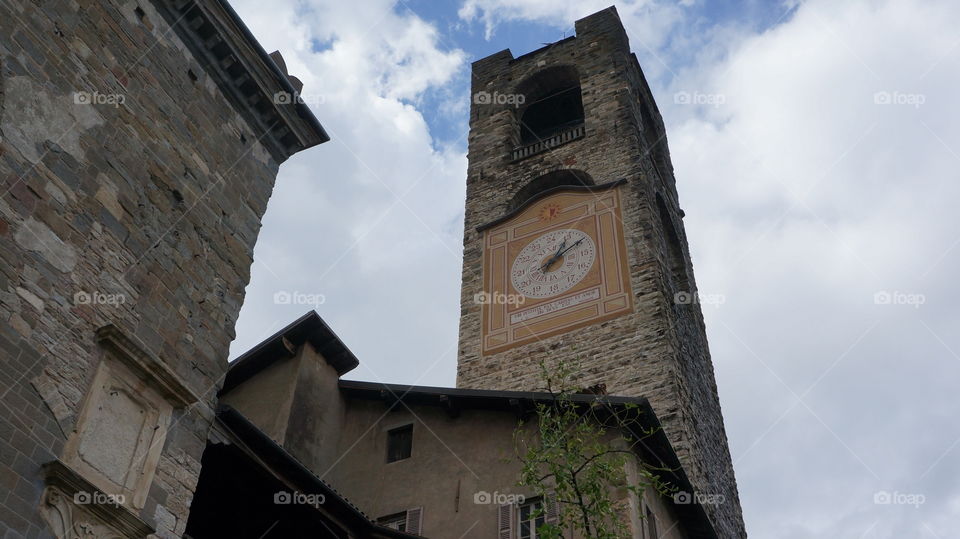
556	265
553	263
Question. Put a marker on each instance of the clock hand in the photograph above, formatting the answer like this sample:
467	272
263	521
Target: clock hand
548	263
560	248
553	258
571	247
559	254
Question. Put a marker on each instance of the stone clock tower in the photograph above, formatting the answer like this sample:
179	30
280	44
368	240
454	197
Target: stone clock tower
574	246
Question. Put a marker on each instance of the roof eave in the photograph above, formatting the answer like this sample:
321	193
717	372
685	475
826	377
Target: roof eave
283	344
227	50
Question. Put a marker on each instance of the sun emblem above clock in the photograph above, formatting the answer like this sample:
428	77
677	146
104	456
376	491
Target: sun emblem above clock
549	211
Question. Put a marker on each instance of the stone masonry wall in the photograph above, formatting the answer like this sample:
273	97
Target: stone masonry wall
131	193
660	350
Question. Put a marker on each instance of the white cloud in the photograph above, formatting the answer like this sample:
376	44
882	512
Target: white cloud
803	197
649	22
364	219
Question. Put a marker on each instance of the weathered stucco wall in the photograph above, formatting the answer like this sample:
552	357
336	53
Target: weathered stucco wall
295	401
316	422
131	193
454	461
267	398
343	440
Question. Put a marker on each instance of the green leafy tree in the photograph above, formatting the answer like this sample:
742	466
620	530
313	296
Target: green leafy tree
575	459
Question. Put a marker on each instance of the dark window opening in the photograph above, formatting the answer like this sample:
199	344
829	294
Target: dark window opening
646	115
652	525
410	521
399	443
394	522
551	114
553	103
653	137
678	267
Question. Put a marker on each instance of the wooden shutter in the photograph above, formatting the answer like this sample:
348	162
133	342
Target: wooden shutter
414	520
551	509
505	523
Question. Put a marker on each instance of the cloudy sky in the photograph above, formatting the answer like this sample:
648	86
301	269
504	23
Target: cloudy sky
817	153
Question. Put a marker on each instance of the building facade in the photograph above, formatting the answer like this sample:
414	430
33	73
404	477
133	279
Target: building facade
140	143
574	246
424	461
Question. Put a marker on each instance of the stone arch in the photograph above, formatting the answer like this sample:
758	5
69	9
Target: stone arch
552	103
549	181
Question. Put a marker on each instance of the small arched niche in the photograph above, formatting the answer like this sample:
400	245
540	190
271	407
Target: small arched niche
552	103
551	180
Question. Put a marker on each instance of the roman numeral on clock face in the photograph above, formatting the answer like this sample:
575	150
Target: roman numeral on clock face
553	263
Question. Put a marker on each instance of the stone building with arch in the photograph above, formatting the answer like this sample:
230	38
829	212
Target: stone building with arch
134	181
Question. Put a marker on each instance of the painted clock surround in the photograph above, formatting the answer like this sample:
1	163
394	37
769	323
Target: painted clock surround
516	315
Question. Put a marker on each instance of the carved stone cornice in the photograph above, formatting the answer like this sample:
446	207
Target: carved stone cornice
146	365
69	519
256	83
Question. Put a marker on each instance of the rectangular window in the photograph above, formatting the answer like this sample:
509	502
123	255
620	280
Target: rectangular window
394	522
399	443
530	517
409	521
652	525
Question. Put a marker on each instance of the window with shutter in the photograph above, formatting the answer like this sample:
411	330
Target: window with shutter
414	520
394	522
530	517
552	509
410	521
505	522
